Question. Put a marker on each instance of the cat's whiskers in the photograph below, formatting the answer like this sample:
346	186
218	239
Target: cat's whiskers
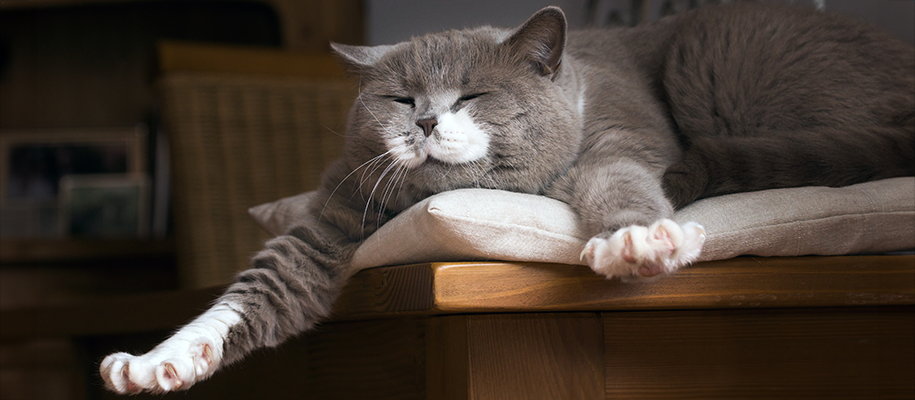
373	160
403	180
473	168
371	197
386	192
371	164
396	180
333	131
370	170
366	175
483	172
374	167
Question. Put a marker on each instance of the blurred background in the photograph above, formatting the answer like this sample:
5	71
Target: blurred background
391	21
134	135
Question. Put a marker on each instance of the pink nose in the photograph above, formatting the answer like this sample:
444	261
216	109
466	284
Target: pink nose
427	124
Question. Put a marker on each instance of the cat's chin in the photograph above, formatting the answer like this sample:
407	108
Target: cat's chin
418	160
437	176
475	167
413	163
429	161
438	158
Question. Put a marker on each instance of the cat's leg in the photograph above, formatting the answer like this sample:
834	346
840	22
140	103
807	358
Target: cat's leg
190	355
686	180
291	286
621	204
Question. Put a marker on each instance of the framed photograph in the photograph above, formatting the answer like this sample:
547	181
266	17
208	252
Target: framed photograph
34	162
104	205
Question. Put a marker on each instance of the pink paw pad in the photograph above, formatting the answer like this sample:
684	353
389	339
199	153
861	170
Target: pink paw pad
641	252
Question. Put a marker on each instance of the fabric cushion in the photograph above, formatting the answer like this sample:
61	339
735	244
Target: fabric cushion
480	224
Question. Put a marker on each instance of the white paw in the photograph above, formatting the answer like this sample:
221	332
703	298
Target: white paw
174	365
191	355
640	252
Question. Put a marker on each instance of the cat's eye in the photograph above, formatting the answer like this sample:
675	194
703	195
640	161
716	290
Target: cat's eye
470	96
463	99
405	100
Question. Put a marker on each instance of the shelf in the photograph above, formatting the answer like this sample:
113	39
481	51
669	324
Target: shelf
51	250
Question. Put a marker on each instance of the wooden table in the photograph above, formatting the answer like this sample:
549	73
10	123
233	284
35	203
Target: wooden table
800	327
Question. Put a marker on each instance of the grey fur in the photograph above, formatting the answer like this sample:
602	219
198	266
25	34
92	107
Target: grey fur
714	101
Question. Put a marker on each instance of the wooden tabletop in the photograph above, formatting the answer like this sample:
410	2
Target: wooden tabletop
745	282
491	287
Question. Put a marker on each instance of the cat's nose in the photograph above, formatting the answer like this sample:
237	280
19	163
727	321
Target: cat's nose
427	124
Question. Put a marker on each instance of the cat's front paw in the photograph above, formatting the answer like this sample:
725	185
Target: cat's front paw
640	252
176	364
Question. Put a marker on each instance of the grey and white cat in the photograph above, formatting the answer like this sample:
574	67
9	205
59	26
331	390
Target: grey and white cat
623	125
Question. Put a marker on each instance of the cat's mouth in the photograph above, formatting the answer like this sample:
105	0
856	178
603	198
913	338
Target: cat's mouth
455	139
439	151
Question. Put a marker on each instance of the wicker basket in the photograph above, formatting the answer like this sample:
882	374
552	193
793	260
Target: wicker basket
238	141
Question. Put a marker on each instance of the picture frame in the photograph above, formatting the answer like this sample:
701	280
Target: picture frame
33	163
104	205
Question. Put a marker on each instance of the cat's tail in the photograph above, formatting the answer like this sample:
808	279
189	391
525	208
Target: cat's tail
826	157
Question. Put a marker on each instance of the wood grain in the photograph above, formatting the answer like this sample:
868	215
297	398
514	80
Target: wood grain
515	356
534	357
848	353
475	287
448	358
746	282
388	291
804	327
367	360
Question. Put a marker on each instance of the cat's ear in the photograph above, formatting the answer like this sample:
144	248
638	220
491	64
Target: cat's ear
358	58
541	40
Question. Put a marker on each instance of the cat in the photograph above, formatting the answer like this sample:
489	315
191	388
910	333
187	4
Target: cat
624	125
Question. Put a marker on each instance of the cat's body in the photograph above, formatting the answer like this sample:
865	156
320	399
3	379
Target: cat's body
623	125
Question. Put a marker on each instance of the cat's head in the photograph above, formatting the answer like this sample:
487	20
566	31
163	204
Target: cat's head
482	107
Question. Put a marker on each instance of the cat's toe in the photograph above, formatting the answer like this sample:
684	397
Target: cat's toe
181	364
174	365
115	371
171	374
128	374
205	358
637	252
691	246
616	255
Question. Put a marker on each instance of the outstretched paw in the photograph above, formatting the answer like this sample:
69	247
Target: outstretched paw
640	252
174	365
191	355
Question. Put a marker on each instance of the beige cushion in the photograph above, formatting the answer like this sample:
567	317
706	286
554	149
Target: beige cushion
479	224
